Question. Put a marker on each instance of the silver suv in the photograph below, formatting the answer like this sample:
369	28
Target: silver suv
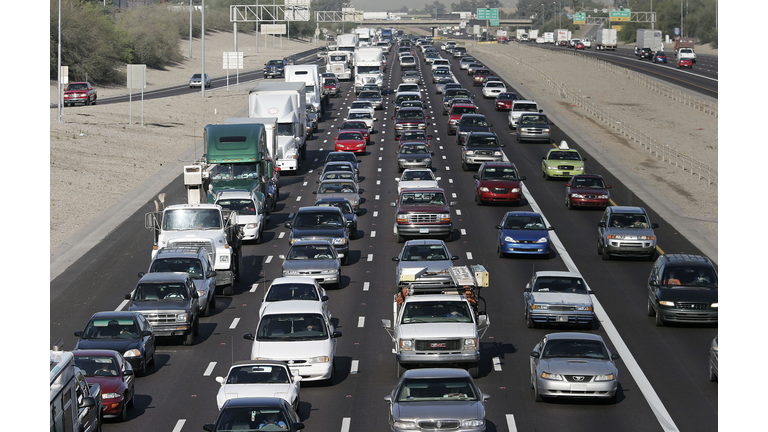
626	231
195	262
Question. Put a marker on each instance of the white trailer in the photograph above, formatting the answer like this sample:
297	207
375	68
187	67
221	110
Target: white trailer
563	35
286	102
533	34
369	67
549	37
606	39
310	76
347	42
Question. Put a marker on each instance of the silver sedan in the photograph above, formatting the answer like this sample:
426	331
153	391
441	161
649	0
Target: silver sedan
573	365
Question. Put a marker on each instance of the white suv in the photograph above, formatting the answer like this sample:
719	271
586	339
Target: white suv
519	107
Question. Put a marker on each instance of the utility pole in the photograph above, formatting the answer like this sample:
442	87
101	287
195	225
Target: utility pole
202	75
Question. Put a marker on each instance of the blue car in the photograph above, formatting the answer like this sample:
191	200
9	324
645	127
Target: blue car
522	232
659	57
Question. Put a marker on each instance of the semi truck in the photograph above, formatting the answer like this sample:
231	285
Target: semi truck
313	84
386	34
339	62
369	67
439	324
347	42
286	102
606	39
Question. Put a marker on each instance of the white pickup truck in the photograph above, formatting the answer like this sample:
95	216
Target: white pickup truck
686	53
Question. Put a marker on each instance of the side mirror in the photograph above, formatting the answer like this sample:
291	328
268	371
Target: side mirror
141	275
654	225
608	187
212	274
281	256
88	402
522	178
454	257
336	334
392	204
79	333
288	225
314	192
386	323
452	203
601	224
395	259
335	138
129	372
498	227
146	333
615	356
195	294
388	399
208	427
360	190
220	380
584	159
535	354
324	298
248	336
482	320
544	158
541	111
550	228
127	296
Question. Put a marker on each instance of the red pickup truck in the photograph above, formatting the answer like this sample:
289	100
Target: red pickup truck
79	92
423	213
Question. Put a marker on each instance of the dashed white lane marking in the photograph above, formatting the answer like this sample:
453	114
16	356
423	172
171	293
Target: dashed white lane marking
380	157
378	182
281	235
448	168
449	181
511	426
469	255
373	234
290	216
379	169
254	287
376	197
209	369
304	184
453	195
497	364
345	424
361	321
269	259
298	198
370	257
366	286
458	212
463	232
179	425
355	366
375	214
234	324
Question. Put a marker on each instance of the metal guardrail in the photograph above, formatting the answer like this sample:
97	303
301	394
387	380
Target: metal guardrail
654	147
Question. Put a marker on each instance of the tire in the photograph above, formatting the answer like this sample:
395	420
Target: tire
605	255
712	376
228	290
143	369
189	338
474	371
238	264
478	201
401	370
528	320
123	416
536	396
94	102
400	239
207	311
599	249
330	381
345	260
568	204
651	312
132	400
464	166
659	320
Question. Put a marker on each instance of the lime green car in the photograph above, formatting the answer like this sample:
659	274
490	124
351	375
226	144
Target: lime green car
562	163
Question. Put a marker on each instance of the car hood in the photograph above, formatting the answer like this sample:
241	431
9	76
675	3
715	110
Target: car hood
560	298
629	233
524	234
578	366
424	208
119	345
290	350
432	266
589	191
159	305
311	264
689	294
439	410
317	233
451	330
232	391
500	183
107	384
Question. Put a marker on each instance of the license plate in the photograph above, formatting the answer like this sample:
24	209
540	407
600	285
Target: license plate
566	173
578	387
423	230
561	319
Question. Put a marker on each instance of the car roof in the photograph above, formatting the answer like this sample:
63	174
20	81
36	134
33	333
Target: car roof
115	314
421	242
292	280
317	209
695	259
524	101
406	109
164	277
259	362
178	252
574	335
558	274
436	373
233	194
499	164
592	176
463	105
293	306
473	115
424	189
521	213
627	209
483	133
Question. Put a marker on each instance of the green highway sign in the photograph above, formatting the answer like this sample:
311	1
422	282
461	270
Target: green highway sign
494	22
488	14
622	15
580	18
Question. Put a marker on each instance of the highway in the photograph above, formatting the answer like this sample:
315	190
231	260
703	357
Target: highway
663	372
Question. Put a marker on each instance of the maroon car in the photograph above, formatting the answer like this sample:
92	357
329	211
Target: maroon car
79	92
331	86
497	182
423	212
479	76
115	377
587	190
504	101
351	141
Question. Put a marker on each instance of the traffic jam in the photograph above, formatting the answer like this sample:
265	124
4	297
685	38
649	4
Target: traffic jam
512	252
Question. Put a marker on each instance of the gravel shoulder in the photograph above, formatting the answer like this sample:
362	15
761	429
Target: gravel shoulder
98	158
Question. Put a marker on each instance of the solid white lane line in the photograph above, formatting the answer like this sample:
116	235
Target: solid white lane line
209	369
661	413
123	304
361	321
234	324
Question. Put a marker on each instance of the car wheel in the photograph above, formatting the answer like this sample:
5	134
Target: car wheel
650	310
474	370
132	399
568	204
659	320
228	290
544	174
401	370
464	166
400	238
712	375
345	260
330	381
536	395
478	201
517	138
123	416
143	369
528	320
498	251
189	338
94	101
605	255
207	309
599	248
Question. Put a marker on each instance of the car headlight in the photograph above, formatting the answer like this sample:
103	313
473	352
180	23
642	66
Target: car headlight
182	317
473	423
485	189
497	153
470	152
340	241
360	145
329	272
421	125
551	376
401	160
132	353
405	425
545	130
509	239
406	344
251	226
605	377
542	240
602	196
713	305
551	167
201	293
515	190
616	237
584	308
579	168
575	195
320	359
540	306
470	343
666	303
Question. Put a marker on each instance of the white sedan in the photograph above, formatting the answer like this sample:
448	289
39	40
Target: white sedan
491	89
260	378
295	288
416	178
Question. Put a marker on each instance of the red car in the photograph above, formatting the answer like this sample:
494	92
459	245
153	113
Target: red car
683	62
357	126
479	76
504	101
455	113
331	86
580	46
350	141
79	92
497	182
587	190
115	377
563	43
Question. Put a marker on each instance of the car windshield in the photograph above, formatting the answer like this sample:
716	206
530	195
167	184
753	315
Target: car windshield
563	155
410	73
368	69
588	182
417	198
507	96
98	366
285	129
414	149
402	98
412	104
495	84
353	125
338	175
248	419
235	171
161	291
258	374
689	276
269	63
463	110
483	141
329	81
345	206
338	58
533	222
196	76
473	121
533	119
319	220
350	136
292	291
408	88
369	95
310	252
292	327
192	219
560	285
183	265
410	115
445	80
337	187
629	220
83	86
493	173
436	311
420	175
425	253
241	205
437	389
338	167
111	328
589	349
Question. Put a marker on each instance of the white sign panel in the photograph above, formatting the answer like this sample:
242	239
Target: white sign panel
297	13
137	76
476	30
232	60
64	74
274	29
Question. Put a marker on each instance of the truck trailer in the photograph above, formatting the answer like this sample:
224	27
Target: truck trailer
606	39
286	102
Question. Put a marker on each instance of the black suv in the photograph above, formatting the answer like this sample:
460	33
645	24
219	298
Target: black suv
322	223
644	53
682	288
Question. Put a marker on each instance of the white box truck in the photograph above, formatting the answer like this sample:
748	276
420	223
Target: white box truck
606	39
649	38
309	74
521	35
563	35
533	34
286	102
369	67
549	37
